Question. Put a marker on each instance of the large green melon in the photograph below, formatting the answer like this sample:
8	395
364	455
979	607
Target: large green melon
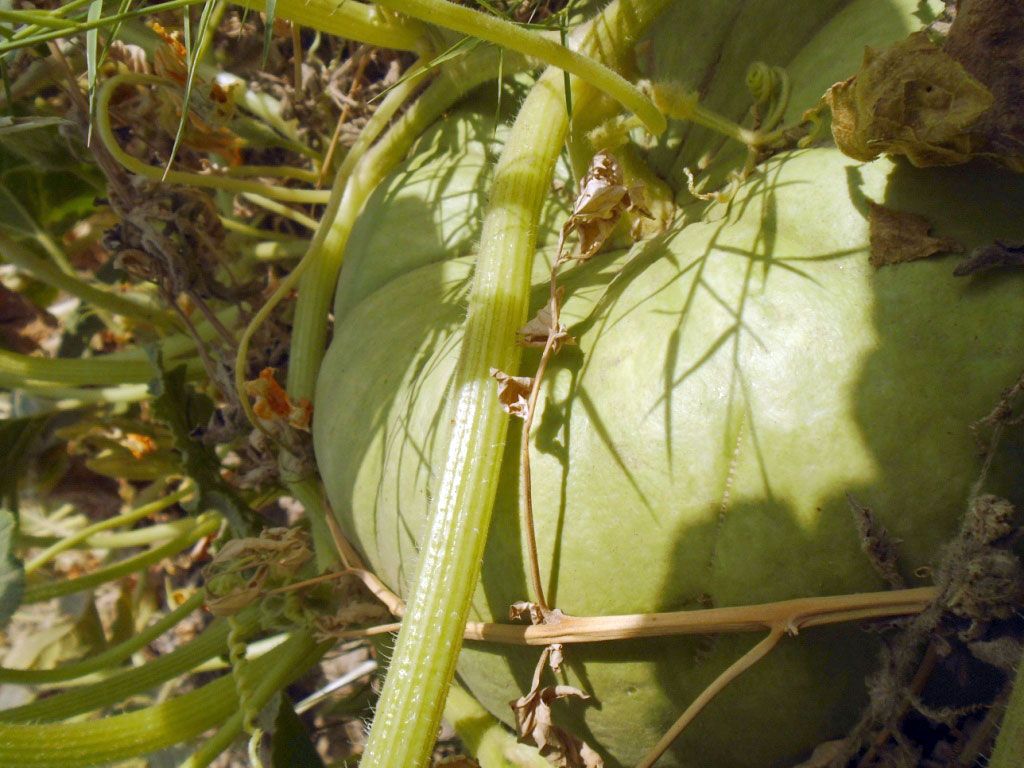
735	379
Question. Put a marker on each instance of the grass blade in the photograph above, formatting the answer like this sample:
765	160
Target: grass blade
92	39
194	54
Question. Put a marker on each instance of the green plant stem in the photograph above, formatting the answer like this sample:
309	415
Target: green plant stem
515	38
133	164
65	371
212	642
68	398
109	657
16	254
354	21
423	664
1010	743
282	210
291	659
204	525
132	516
138	537
119	737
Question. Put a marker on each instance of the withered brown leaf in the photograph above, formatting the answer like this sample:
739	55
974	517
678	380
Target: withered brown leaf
536	332
912	99
897	236
534	724
602	199
513	392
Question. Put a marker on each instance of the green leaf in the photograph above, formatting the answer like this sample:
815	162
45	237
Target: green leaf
290	744
16	436
268	35
195	54
183	409
92	39
14	218
12	571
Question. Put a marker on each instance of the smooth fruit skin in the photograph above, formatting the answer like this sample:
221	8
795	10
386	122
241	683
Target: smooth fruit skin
735	379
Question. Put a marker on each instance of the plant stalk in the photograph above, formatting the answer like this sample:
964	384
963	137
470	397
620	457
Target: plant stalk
409	711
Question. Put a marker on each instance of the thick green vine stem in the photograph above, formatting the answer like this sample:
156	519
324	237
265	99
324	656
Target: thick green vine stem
405	727
109	692
291	659
514	38
354	21
185	717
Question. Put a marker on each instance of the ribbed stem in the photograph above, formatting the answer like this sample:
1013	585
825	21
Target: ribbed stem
204	526
119	737
428	644
212	642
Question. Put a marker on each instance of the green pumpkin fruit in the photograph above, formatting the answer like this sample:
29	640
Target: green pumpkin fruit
735	379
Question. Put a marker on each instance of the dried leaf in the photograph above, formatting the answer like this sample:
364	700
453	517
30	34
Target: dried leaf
513	392
994	256
602	200
909	99
536	332
534	724
274	405
897	236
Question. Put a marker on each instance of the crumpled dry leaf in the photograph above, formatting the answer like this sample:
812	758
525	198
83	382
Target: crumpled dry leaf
987	38
513	393
911	99
602	200
536	332
534	724
286	549
274	405
897	236
994	256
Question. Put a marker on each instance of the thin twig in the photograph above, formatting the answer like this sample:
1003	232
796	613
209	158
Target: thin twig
524	450
741	665
346	111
